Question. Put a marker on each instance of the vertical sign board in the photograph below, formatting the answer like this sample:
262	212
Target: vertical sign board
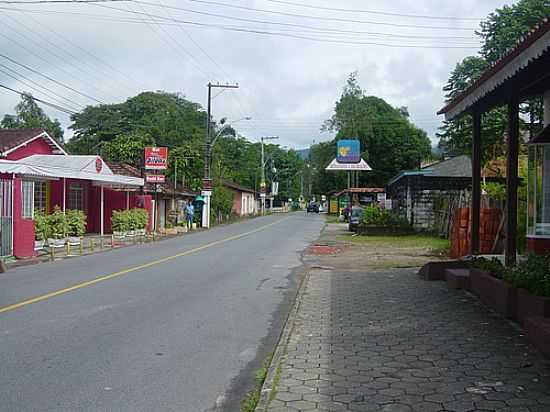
156	158
348	151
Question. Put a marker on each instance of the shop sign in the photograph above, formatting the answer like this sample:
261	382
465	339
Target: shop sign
98	165
151	178
156	158
348	151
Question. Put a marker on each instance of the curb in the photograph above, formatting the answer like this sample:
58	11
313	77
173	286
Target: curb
280	352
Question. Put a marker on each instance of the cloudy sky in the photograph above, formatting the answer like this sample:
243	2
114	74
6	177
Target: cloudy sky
290	58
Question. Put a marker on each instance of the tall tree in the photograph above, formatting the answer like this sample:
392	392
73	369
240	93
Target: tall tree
390	142
29	115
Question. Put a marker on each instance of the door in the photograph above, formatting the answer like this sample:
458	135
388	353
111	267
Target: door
6	217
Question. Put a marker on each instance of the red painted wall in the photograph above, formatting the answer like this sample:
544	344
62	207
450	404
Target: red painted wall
23	229
237	202
38	146
145	202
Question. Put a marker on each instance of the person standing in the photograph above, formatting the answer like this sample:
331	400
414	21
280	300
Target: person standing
189	215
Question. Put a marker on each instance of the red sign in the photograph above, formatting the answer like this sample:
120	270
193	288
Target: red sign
150	178
156	158
98	165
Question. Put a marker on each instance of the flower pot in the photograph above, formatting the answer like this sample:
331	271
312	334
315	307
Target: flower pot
496	293
74	240
56	242
39	244
529	305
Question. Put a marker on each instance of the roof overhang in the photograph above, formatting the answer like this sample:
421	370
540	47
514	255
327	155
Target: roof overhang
522	72
336	166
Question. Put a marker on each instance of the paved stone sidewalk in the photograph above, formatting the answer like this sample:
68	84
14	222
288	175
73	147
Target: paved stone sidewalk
388	341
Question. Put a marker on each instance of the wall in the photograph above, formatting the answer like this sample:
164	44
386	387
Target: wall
23	229
237	202
38	146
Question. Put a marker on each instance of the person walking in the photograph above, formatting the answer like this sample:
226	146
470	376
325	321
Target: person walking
189	215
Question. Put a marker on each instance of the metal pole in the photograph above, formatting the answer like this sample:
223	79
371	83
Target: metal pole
262	181
476	183
102	213
64	193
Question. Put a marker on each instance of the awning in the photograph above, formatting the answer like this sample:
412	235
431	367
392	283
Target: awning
362	166
46	167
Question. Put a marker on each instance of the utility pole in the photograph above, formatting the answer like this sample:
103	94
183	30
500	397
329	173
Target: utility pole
207	179
263	185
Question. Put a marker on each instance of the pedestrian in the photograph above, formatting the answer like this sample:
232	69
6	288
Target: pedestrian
189	215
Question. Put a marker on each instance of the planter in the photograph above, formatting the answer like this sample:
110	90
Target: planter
529	305
383	230
538	332
39	244
495	293
56	243
74	241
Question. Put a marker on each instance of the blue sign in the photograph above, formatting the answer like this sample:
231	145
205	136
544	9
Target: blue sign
348	151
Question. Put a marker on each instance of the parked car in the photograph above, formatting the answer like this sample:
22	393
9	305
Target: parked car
355	218
312	208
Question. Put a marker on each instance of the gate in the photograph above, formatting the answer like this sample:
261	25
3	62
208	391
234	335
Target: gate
6	217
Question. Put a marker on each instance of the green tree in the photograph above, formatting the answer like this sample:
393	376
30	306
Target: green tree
126	148
390	142
29	115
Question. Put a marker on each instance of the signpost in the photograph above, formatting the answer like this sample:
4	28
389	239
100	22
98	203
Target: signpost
155	158
155	178
348	151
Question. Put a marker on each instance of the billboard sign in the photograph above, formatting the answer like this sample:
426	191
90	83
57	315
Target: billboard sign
348	151
151	178
156	158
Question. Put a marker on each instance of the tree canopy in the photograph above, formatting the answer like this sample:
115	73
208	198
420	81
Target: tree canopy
28	114
389	141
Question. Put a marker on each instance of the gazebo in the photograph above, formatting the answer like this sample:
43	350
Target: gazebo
522	73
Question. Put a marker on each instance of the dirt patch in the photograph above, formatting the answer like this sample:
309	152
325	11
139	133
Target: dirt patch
325	250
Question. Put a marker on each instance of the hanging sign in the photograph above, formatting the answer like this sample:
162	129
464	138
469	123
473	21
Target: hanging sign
156	158
151	178
348	151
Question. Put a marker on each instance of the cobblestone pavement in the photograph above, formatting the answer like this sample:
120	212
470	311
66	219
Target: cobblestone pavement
388	341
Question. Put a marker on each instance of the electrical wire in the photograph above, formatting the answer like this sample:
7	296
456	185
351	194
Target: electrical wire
52	105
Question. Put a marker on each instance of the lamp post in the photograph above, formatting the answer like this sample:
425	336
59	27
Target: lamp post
262	183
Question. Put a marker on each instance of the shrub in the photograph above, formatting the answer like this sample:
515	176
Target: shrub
493	266
41	227
375	216
532	274
131	219
76	222
57	224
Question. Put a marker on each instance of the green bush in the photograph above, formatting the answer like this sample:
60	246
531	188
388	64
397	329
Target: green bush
41	228
532	274
375	216
76	222
131	219
493	266
57	224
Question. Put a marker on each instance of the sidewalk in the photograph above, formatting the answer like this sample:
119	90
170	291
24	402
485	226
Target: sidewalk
372	338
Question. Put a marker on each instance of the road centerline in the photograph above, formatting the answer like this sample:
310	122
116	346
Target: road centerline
126	271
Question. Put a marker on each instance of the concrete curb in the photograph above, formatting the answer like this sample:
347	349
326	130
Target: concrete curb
280	352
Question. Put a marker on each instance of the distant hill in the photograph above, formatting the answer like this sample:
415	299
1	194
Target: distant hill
303	153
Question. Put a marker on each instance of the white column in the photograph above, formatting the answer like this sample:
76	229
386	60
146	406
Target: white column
64	193
127	200
102	213
206	209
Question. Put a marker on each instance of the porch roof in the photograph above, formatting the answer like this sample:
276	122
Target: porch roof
69	167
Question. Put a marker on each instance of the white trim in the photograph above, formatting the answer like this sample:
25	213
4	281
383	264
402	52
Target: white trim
533	52
32	139
102	212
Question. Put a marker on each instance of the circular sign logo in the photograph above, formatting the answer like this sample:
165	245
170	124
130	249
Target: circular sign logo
98	165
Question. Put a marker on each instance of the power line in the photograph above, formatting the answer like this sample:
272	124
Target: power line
52	105
26	79
382	13
59	1
50	78
414	26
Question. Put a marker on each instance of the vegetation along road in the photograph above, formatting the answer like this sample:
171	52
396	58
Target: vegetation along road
178	325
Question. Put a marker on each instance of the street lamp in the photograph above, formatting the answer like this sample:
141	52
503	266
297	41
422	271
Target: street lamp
225	127
262	184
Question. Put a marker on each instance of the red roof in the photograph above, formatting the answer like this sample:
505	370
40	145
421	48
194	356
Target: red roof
10	138
237	187
523	44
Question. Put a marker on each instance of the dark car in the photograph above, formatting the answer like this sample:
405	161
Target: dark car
355	218
313	208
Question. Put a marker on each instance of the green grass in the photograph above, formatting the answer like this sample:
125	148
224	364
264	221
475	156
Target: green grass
251	401
405	241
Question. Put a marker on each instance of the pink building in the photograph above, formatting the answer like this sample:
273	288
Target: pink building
37	173
244	199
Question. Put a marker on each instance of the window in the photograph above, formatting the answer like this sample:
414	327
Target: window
27	198
75	199
41	196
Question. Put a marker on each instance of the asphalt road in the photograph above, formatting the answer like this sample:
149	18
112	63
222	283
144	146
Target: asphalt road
179	325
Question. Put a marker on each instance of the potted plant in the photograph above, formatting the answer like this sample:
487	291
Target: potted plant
57	224
76	226
487	280
41	229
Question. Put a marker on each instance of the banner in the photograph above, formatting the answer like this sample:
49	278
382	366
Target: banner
348	151
156	158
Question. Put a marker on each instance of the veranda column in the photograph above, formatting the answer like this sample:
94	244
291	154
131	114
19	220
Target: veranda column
512	181
476	183
102	213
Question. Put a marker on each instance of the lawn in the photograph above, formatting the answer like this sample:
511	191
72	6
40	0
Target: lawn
406	241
